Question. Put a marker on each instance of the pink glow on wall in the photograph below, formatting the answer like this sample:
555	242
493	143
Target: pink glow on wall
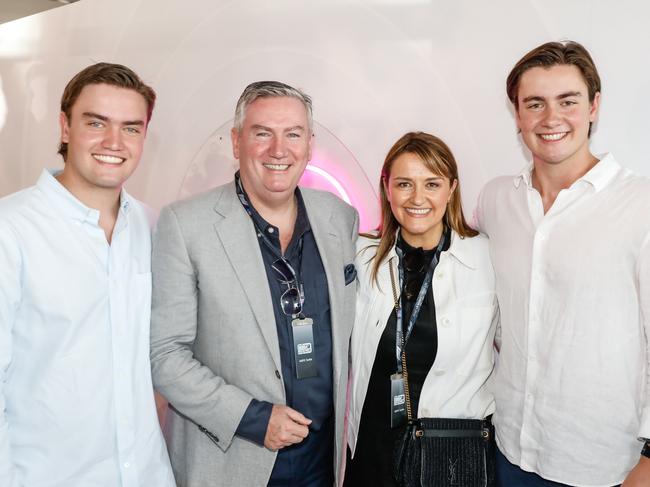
332	180
329	177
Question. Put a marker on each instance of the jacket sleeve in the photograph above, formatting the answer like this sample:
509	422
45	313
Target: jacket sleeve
192	388
10	285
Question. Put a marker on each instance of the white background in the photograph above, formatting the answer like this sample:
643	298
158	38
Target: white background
375	68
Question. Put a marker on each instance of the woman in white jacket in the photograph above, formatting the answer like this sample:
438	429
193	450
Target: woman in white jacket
422	343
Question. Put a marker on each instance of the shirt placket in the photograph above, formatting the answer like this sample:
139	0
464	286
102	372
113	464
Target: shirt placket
118	277
535	328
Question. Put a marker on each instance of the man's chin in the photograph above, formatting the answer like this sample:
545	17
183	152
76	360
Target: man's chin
280	187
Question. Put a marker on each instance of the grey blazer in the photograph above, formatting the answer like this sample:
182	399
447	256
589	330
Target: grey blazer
214	344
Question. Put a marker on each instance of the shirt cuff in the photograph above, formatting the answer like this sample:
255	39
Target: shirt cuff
255	421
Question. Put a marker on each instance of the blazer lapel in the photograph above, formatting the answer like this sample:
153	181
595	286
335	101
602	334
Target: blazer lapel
329	244
239	240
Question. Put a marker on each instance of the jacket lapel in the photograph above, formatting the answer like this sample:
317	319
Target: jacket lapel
329	244
239	239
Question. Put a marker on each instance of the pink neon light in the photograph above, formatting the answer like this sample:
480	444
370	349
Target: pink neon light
332	180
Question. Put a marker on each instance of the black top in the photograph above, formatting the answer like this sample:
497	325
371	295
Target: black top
311	461
373	460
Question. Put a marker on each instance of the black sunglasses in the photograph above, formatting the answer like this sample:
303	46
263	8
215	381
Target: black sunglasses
292	299
412	288
414	261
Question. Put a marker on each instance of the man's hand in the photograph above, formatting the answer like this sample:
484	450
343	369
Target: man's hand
640	475
286	427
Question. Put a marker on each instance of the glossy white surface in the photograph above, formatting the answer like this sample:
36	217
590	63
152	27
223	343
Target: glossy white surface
375	69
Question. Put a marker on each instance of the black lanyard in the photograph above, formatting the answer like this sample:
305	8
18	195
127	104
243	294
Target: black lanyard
400	339
241	194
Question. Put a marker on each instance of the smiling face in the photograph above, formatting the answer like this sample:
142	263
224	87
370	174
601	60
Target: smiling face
105	135
418	199
554	114
273	147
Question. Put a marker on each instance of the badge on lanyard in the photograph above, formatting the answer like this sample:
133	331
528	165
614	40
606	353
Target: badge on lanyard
303	347
397	401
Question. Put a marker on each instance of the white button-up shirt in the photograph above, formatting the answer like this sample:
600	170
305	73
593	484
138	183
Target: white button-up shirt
76	399
574	292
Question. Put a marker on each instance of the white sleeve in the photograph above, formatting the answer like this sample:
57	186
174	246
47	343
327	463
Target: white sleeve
643	275
478	219
10	292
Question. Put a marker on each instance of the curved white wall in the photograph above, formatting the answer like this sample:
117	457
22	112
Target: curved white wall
375	68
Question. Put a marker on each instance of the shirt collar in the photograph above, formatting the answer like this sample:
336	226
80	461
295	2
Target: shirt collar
460	248
302	221
524	175
598	176
603	172
71	207
463	250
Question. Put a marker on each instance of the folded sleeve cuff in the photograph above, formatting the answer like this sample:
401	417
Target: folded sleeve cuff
255	421
644	428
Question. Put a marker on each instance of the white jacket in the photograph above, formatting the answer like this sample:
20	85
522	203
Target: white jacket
466	315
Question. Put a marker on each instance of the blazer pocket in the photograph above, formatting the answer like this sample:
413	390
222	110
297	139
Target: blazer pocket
350	273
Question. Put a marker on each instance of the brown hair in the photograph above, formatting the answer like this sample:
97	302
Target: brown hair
109	74
553	54
438	158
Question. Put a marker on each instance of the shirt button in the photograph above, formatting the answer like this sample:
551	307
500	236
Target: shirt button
446	322
439	372
127	465
271	230
440	276
277	374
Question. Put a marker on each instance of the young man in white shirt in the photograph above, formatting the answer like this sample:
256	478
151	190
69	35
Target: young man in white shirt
570	243
76	398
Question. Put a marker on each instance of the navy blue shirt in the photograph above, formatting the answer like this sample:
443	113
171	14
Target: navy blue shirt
311	462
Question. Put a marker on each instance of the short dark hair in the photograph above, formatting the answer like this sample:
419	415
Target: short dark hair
109	74
553	54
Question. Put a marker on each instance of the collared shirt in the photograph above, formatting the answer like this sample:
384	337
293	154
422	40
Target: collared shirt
309	462
574	292
76	399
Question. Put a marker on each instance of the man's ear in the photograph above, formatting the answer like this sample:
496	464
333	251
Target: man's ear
65	128
311	145
234	139
594	108
517	119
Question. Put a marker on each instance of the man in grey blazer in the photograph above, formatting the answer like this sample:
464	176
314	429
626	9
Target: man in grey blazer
253	304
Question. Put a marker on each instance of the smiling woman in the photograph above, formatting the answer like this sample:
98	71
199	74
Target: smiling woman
418	200
418	388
